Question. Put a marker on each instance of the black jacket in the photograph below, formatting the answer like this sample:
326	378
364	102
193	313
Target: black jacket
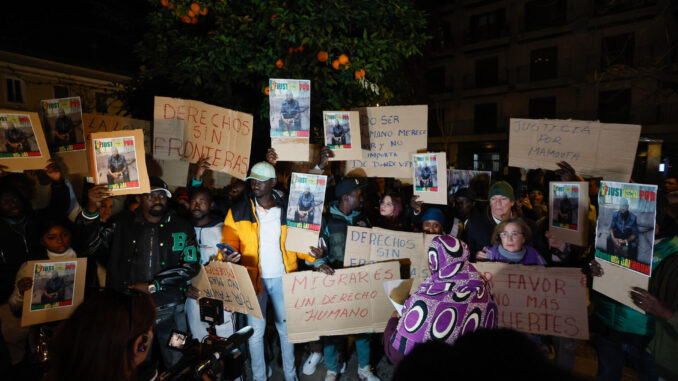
139	250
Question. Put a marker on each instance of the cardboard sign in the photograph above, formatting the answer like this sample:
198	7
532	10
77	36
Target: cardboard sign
118	160
391	134
22	141
617	282
461	178
289	114
539	300
568	211
342	134
587	146
367	246
105	123
174	172
352	300
430	177
626	223
231	284
58	289
188	130
304	211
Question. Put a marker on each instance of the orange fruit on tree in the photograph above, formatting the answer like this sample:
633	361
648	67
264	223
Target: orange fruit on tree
195	7
170	5
279	63
190	14
346	66
301	48
164	3
357	74
290	50
203	11
194	20
362	72
266	90
343	59
322	56
186	19
335	64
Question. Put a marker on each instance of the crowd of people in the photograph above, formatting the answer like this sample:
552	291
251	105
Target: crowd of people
143	250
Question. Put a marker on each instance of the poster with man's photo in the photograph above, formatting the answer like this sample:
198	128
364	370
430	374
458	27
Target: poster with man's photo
430	177
118	161
289	114
22	143
304	211
63	124
342	134
462	178
57	289
626	223
568	211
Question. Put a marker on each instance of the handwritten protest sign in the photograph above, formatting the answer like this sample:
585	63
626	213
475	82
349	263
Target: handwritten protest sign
289	114
392	135
229	283
22	141
367	246
106	123
188	130
568	211
592	148
58	289
352	300
540	300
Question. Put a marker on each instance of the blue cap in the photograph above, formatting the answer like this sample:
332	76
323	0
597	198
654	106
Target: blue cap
434	214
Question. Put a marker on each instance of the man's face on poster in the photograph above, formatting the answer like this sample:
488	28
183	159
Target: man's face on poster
62	112
115	153
289	96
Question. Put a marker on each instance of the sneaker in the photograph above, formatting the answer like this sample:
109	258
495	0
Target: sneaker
343	368
311	363
366	374
330	376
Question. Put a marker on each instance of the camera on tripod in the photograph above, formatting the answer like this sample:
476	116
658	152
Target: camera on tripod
217	357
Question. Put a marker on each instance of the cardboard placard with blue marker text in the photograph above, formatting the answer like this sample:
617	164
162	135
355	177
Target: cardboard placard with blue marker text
229	283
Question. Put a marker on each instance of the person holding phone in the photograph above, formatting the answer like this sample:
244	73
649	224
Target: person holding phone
208	235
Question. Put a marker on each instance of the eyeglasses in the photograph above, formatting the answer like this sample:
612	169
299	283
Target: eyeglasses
510	234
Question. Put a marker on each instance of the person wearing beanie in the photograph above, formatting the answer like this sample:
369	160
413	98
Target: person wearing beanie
480	225
433	221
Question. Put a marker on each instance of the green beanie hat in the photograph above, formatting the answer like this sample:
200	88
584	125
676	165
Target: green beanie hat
502	188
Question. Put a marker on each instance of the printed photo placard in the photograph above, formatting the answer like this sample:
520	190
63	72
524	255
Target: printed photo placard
304	211
118	160
342	134
289	114
63	124
58	288
462	178
22	141
430	177
568	211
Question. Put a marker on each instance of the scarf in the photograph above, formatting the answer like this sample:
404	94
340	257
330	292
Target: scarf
453	301
511	256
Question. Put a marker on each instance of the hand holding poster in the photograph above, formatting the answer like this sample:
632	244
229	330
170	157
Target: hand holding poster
390	136
289	114
188	130
430	177
626	222
350	301
304	211
342	134
58	288
63	124
22	141
540	300
231	284
118	160
568	212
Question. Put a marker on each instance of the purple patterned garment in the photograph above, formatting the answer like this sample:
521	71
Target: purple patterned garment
453	301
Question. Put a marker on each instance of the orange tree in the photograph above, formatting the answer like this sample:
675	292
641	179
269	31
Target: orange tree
224	52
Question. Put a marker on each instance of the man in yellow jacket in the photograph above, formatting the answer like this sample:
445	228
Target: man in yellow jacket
256	228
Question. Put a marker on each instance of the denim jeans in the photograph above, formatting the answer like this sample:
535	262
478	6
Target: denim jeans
362	346
611	356
272	287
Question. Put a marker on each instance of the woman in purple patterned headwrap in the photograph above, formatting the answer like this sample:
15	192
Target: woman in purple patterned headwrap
454	300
